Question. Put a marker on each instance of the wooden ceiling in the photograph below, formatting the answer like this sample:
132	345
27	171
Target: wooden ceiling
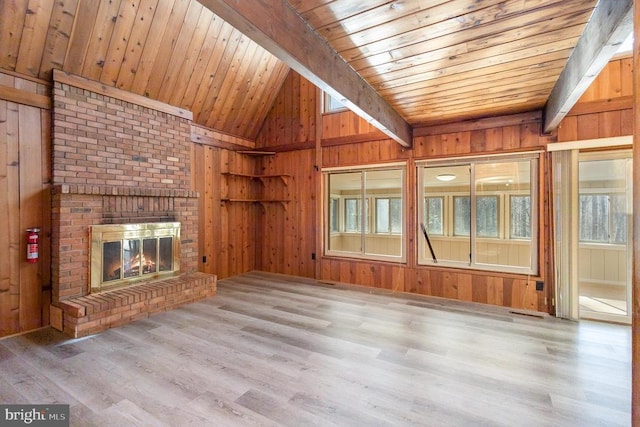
175	51
429	60
435	60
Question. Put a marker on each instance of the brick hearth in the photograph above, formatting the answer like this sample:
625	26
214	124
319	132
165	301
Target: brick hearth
117	160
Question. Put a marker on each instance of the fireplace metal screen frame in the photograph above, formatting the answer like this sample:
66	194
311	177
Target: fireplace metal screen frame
101	234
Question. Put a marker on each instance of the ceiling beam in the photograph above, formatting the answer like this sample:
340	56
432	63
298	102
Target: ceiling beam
609	26
275	25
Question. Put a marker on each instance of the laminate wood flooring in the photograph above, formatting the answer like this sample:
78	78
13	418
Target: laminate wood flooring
279	350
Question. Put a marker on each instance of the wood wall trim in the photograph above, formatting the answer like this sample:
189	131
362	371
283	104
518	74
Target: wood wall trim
26	98
214	138
609	26
354	139
601	106
479	124
102	89
271	24
26	77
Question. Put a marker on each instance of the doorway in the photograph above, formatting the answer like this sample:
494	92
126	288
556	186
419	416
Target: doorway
604	235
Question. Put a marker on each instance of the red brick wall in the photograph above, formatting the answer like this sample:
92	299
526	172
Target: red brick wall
115	162
99	140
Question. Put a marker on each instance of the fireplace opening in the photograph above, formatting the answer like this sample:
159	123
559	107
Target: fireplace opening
127	253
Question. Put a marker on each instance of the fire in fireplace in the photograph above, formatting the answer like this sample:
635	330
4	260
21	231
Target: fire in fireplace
127	253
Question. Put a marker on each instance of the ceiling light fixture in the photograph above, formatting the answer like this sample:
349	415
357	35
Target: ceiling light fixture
446	177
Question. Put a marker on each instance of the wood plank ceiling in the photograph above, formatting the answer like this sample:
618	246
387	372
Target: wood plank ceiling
431	60
436	60
175	51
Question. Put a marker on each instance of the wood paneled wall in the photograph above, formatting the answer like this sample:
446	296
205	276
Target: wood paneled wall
25	176
605	109
227	229
602	112
280	236
287	235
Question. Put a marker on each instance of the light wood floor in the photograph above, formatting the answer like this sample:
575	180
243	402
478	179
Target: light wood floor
278	350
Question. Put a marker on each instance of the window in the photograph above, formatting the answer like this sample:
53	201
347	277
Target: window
332	105
479	213
603	218
389	215
520	217
351	215
335	214
619	219
369	196
433	209
461	216
487	216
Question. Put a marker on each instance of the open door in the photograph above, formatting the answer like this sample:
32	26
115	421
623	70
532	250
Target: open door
605	236
593	213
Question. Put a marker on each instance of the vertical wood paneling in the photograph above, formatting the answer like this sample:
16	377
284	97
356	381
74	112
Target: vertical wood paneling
196	75
101	34
119	41
31	213
36	25
11	22
80	33
187	45
143	42
25	173
615	81
9	203
57	38
282	234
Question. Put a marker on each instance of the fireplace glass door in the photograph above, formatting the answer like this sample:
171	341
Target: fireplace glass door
122	254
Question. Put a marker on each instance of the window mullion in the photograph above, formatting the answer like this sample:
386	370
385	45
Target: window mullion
472	215
363	212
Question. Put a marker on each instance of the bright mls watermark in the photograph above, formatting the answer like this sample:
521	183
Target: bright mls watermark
34	415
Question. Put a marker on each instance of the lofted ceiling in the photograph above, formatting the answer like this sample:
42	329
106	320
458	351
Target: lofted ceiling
427	60
435	60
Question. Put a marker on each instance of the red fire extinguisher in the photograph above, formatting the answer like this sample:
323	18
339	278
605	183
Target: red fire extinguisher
32	244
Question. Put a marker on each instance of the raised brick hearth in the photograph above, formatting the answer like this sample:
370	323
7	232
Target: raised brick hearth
118	161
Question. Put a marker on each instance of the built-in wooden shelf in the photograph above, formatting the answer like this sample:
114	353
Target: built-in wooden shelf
261	201
257	153
262	178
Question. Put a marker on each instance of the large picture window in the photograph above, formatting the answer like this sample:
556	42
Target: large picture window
373	214
479	213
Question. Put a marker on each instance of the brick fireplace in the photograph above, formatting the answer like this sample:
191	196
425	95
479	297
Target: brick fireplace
118	158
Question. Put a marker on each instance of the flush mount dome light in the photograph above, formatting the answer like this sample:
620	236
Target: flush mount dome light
446	177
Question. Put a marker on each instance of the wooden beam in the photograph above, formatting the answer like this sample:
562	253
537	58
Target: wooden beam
609	26
635	276
479	124
275	26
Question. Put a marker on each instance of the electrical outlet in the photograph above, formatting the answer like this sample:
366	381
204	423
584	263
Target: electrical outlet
313	255
539	285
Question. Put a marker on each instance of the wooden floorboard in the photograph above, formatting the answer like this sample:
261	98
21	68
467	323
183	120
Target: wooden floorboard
279	350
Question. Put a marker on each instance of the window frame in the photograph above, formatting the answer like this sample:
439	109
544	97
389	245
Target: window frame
328	107
369	198
611	218
390	231
503	213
